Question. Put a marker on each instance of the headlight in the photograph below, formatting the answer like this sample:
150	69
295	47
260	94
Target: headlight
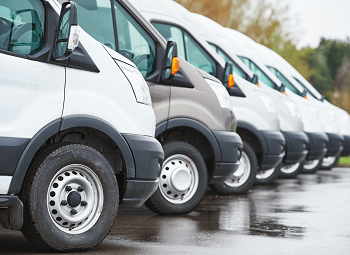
137	82
269	104
294	112
221	93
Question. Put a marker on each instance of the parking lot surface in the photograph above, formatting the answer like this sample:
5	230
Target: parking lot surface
307	215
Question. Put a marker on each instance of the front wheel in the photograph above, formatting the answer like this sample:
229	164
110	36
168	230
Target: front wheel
182	182
267	177
243	179
329	162
70	198
291	171
311	166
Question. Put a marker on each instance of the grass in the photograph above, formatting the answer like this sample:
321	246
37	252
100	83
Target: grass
344	161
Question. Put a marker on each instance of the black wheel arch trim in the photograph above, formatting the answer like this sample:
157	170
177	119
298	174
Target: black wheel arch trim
255	131
191	123
60	125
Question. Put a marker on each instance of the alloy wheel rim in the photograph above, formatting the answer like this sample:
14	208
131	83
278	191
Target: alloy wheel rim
290	168
242	174
179	179
75	199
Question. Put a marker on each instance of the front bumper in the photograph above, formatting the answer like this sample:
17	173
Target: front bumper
346	150
296	147
318	143
231	146
148	154
11	212
335	145
274	151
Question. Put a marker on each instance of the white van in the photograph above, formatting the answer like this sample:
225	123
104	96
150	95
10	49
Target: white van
287	111
327	114
263	143
76	129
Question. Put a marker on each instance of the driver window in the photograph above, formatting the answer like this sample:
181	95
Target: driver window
198	57
22	26
133	42
101	26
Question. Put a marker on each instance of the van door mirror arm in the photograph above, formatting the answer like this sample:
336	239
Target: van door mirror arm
68	32
171	62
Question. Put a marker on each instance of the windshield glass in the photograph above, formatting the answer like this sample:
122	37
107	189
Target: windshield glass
283	79
255	69
225	57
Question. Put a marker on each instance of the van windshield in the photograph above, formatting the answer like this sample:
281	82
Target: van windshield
255	69
283	79
225	57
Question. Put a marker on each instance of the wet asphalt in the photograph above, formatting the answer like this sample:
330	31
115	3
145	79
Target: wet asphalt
307	215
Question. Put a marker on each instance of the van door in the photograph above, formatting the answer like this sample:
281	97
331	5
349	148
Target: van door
31	92
118	29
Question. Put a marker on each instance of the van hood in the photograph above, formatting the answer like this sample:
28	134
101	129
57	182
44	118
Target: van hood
208	76
118	56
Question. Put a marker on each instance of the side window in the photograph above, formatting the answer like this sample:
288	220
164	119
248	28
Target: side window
255	69
133	42
172	33
22	26
198	57
236	68
100	26
283	79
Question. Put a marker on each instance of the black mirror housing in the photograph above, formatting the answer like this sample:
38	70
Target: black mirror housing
255	79
168	66
67	35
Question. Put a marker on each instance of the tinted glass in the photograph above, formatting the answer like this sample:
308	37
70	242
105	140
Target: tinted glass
172	33
63	34
22	26
283	79
255	69
308	91
133	41
198	57
100	26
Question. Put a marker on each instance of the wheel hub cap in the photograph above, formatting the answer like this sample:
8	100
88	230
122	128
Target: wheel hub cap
74	199
261	175
310	164
290	168
328	161
179	179
242	174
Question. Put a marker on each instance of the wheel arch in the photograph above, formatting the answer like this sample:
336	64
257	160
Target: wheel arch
59	125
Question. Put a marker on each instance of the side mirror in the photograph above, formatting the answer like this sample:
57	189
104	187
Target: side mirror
171	63
228	79
304	94
255	80
68	32
283	89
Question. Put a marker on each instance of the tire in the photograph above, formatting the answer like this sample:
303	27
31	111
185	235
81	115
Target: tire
269	176
49	222
183	180
249	166
291	171
311	168
330	164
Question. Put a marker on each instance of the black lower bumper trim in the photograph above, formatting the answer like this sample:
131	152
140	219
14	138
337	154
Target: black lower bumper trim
223	171
296	147
318	143
335	145
346	149
230	144
137	192
275	150
11	212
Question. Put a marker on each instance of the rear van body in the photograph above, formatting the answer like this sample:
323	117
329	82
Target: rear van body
194	119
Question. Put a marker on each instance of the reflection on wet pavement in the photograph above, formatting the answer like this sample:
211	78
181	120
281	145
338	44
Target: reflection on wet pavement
308	214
